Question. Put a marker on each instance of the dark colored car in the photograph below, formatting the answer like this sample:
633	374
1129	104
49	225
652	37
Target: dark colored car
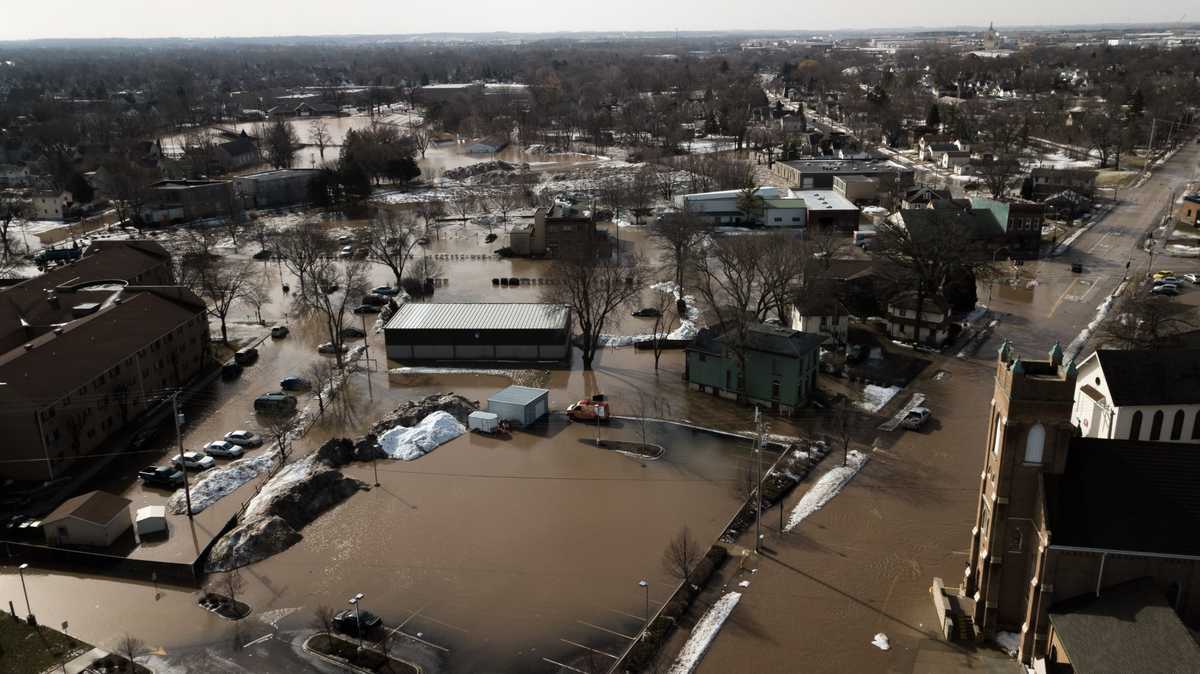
1077	268
294	384
347	622
161	476
352	333
367	309
647	312
231	371
275	403
263	254
375	300
386	291
246	356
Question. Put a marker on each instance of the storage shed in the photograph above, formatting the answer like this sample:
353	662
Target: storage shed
151	520
484	422
520	405
478	332
95	519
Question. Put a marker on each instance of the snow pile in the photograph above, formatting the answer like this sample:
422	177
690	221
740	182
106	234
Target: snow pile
875	397
826	488
1101	313
221	482
411	412
686	329
1181	250
881	642
704	633
407	444
1008	642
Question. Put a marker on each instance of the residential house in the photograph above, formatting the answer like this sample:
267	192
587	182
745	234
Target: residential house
315	109
1047	181
932	152
1068	205
1082	547
780	370
821	314
15	175
953	160
560	231
51	205
96	519
1022	224
1187	210
923	196
489	145
933	328
88	347
237	154
930	143
1139	395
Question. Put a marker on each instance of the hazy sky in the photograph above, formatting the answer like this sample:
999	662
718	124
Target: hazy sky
22	19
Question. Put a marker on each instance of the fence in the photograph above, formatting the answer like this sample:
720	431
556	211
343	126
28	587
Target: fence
71	559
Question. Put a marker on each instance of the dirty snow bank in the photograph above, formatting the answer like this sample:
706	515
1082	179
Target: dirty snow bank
297	495
221	482
687	328
881	642
407	444
876	397
704	633
411	412
826	488
1008	642
1084	335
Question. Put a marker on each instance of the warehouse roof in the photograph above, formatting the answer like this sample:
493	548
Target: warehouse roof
480	316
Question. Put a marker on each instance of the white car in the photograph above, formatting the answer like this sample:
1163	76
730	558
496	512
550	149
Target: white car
1192	278
225	450
194	461
916	418
243	438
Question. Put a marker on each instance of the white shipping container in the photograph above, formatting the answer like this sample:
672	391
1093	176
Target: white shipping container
485	422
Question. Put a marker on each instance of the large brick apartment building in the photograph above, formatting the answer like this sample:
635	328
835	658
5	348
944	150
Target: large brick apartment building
86	348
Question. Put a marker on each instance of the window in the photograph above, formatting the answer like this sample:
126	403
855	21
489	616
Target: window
1035	444
1135	426
998	438
1196	427
727	378
1016	540
1156	426
775	389
1177	425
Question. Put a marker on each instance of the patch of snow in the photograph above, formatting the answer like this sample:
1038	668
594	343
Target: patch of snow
704	633
881	642
875	397
1181	250
686	329
826	488
744	583
1101	313
221	482
1008	642
407	444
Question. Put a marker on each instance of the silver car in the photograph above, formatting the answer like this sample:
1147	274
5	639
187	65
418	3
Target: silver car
916	418
225	450
243	439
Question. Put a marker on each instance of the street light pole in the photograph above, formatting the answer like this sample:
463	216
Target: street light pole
354	601
21	572
646	586
187	492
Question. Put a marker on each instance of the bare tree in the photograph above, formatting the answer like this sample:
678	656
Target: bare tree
391	237
11	208
130	647
335	289
1146	322
420	140
682	235
279	428
593	289
641	191
221	285
318	135
430	212
320	374
613	194
322	618
300	248
506	201
682	555
256	294
664	322
280	143
728	281
229	585
464	207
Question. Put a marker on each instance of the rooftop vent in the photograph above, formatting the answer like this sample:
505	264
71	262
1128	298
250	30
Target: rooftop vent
86	309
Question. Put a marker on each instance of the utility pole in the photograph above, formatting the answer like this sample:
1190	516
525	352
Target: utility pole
758	426
187	492
367	360
1150	148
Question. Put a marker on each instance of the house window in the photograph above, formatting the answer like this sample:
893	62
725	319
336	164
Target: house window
703	358
1177	425
1196	427
1135	426
1035	444
998	437
1016	540
1156	426
728	376
775	389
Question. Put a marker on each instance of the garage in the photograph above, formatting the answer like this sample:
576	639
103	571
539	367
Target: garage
520	405
479	332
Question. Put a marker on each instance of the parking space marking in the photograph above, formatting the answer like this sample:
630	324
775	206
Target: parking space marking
427	643
588	648
605	629
555	662
894	423
265	637
627	615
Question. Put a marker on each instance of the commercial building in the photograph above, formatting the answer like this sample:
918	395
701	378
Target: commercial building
557	231
1187	210
479	332
1083	548
1139	395
86	348
818	174
829	211
779	207
780	366
520	405
272	189
95	519
173	201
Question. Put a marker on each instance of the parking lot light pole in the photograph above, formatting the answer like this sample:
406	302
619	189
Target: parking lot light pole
354	601
646	586
21	572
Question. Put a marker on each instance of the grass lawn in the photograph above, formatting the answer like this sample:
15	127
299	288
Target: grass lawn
26	650
1123	178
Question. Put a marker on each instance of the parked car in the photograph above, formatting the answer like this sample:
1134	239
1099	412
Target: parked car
346	251
347	621
161	476
246	356
225	450
1167	280
1192	278
294	384
352	333
243	438
330	348
916	418
386	291
423	241
345	239
367	309
275	403
193	461
855	353
280	331
376	300
1163	274
263	254
231	371
647	312
1076	268
1168	290
330	288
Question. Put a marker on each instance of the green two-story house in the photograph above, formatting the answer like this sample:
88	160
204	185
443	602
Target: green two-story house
781	366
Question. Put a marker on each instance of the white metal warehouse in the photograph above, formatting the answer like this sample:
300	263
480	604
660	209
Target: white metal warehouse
479	332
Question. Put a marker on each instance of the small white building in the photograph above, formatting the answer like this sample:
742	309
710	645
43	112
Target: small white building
95	519
1139	395
489	145
822	315
722	207
932	329
520	405
51	205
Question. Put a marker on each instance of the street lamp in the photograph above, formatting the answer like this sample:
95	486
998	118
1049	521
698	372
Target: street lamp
354	601
646	586
21	572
